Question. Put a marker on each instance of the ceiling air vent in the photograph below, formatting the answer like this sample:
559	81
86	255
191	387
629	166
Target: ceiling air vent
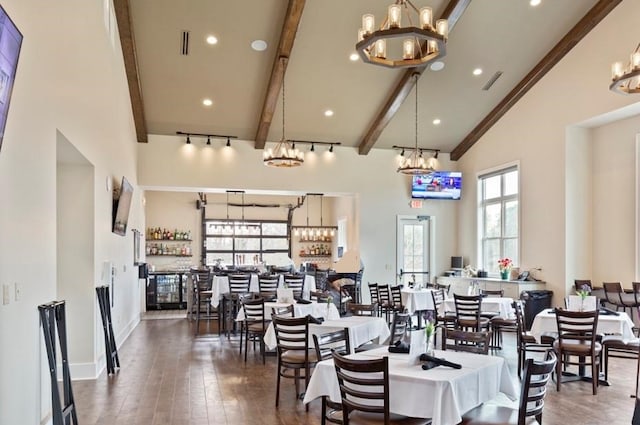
492	80
184	43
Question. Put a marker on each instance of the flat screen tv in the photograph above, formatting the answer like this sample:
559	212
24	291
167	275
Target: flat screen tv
10	43
121	207
437	185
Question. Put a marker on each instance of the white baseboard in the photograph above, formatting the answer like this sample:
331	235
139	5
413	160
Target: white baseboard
87	371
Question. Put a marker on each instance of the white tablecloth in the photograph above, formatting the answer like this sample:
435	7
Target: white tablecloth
361	329
221	286
417	299
443	394
500	305
622	325
315	309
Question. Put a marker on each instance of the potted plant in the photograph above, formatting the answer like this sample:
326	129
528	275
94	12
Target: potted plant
505	265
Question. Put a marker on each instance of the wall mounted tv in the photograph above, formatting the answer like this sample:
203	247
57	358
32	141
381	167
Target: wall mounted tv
437	185
121	207
10	43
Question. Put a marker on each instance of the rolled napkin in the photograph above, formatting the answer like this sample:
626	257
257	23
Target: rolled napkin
400	347
440	362
609	312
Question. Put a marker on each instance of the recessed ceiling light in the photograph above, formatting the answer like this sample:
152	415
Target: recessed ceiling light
477	71
534	3
328	113
207	102
436	121
259	45
212	39
437	66
354	57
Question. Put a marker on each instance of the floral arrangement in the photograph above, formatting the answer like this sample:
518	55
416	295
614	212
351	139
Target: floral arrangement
329	300
505	264
584	292
429	329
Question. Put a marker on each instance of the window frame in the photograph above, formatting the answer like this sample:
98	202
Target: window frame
233	235
502	200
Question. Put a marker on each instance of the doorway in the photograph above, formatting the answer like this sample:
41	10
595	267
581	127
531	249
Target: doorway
413	247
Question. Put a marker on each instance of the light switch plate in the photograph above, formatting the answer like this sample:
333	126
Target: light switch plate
16	290
6	297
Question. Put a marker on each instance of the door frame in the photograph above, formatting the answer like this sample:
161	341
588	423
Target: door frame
431	243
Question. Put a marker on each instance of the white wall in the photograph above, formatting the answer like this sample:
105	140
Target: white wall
533	131
614	207
70	79
381	193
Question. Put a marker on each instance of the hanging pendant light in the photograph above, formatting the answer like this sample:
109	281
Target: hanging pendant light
285	154
415	164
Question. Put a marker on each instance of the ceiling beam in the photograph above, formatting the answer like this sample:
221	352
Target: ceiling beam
128	44
573	37
287	37
453	12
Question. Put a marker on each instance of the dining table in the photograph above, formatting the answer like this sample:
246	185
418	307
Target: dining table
442	393
361	329
415	300
220	286
609	323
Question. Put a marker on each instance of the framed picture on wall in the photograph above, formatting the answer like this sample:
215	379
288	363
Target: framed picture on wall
10	44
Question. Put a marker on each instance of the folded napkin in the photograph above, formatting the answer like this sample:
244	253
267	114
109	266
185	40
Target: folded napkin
609	312
400	347
301	301
316	320
437	361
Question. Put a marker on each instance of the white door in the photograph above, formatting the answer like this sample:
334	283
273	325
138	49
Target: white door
413	249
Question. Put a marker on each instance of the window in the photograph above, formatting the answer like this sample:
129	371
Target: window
235	244
498	218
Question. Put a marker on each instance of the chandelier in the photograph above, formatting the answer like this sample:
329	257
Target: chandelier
626	81
415	163
285	154
422	43
315	233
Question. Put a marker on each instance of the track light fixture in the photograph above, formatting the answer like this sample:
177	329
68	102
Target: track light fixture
402	152
314	143
313	147
208	136
331	148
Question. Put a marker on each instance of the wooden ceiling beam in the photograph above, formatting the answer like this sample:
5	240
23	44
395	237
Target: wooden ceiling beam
128	44
597	13
453	12
278	70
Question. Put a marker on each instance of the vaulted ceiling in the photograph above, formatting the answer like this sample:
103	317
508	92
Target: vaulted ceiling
373	106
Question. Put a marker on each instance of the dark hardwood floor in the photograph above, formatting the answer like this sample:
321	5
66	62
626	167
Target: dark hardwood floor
168	376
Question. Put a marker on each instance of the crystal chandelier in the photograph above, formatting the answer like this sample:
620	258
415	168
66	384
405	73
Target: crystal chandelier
626	81
285	154
422	42
415	163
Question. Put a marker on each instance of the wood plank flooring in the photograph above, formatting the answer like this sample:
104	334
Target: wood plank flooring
168	376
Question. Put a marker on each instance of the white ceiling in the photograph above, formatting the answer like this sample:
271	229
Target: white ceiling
495	35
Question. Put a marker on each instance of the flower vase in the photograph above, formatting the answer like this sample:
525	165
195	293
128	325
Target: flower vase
581	308
504	274
430	345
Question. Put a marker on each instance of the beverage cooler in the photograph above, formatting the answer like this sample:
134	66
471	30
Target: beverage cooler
167	290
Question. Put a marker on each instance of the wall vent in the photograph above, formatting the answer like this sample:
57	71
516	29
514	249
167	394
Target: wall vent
492	80
184	44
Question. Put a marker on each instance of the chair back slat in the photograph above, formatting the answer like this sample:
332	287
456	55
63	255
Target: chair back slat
363	384
239	283
373	290
384	297
291	333
470	342
576	326
468	309
363	309
396	297
399	327
253	309
534	387
295	282
332	341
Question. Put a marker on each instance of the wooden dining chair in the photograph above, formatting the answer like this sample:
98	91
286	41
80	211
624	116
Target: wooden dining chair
239	284
468	309
294	354
268	286
443	318
532	395
613	346
324	344
254	325
375	298
363	309
364	390
284	311
527	343
577	338
295	282
470	342
613	294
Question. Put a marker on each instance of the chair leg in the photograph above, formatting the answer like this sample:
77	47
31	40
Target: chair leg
596	374
558	375
278	382
296	379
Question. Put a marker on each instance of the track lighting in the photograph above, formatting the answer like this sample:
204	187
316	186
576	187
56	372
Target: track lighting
208	136
402	153
331	148
313	147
